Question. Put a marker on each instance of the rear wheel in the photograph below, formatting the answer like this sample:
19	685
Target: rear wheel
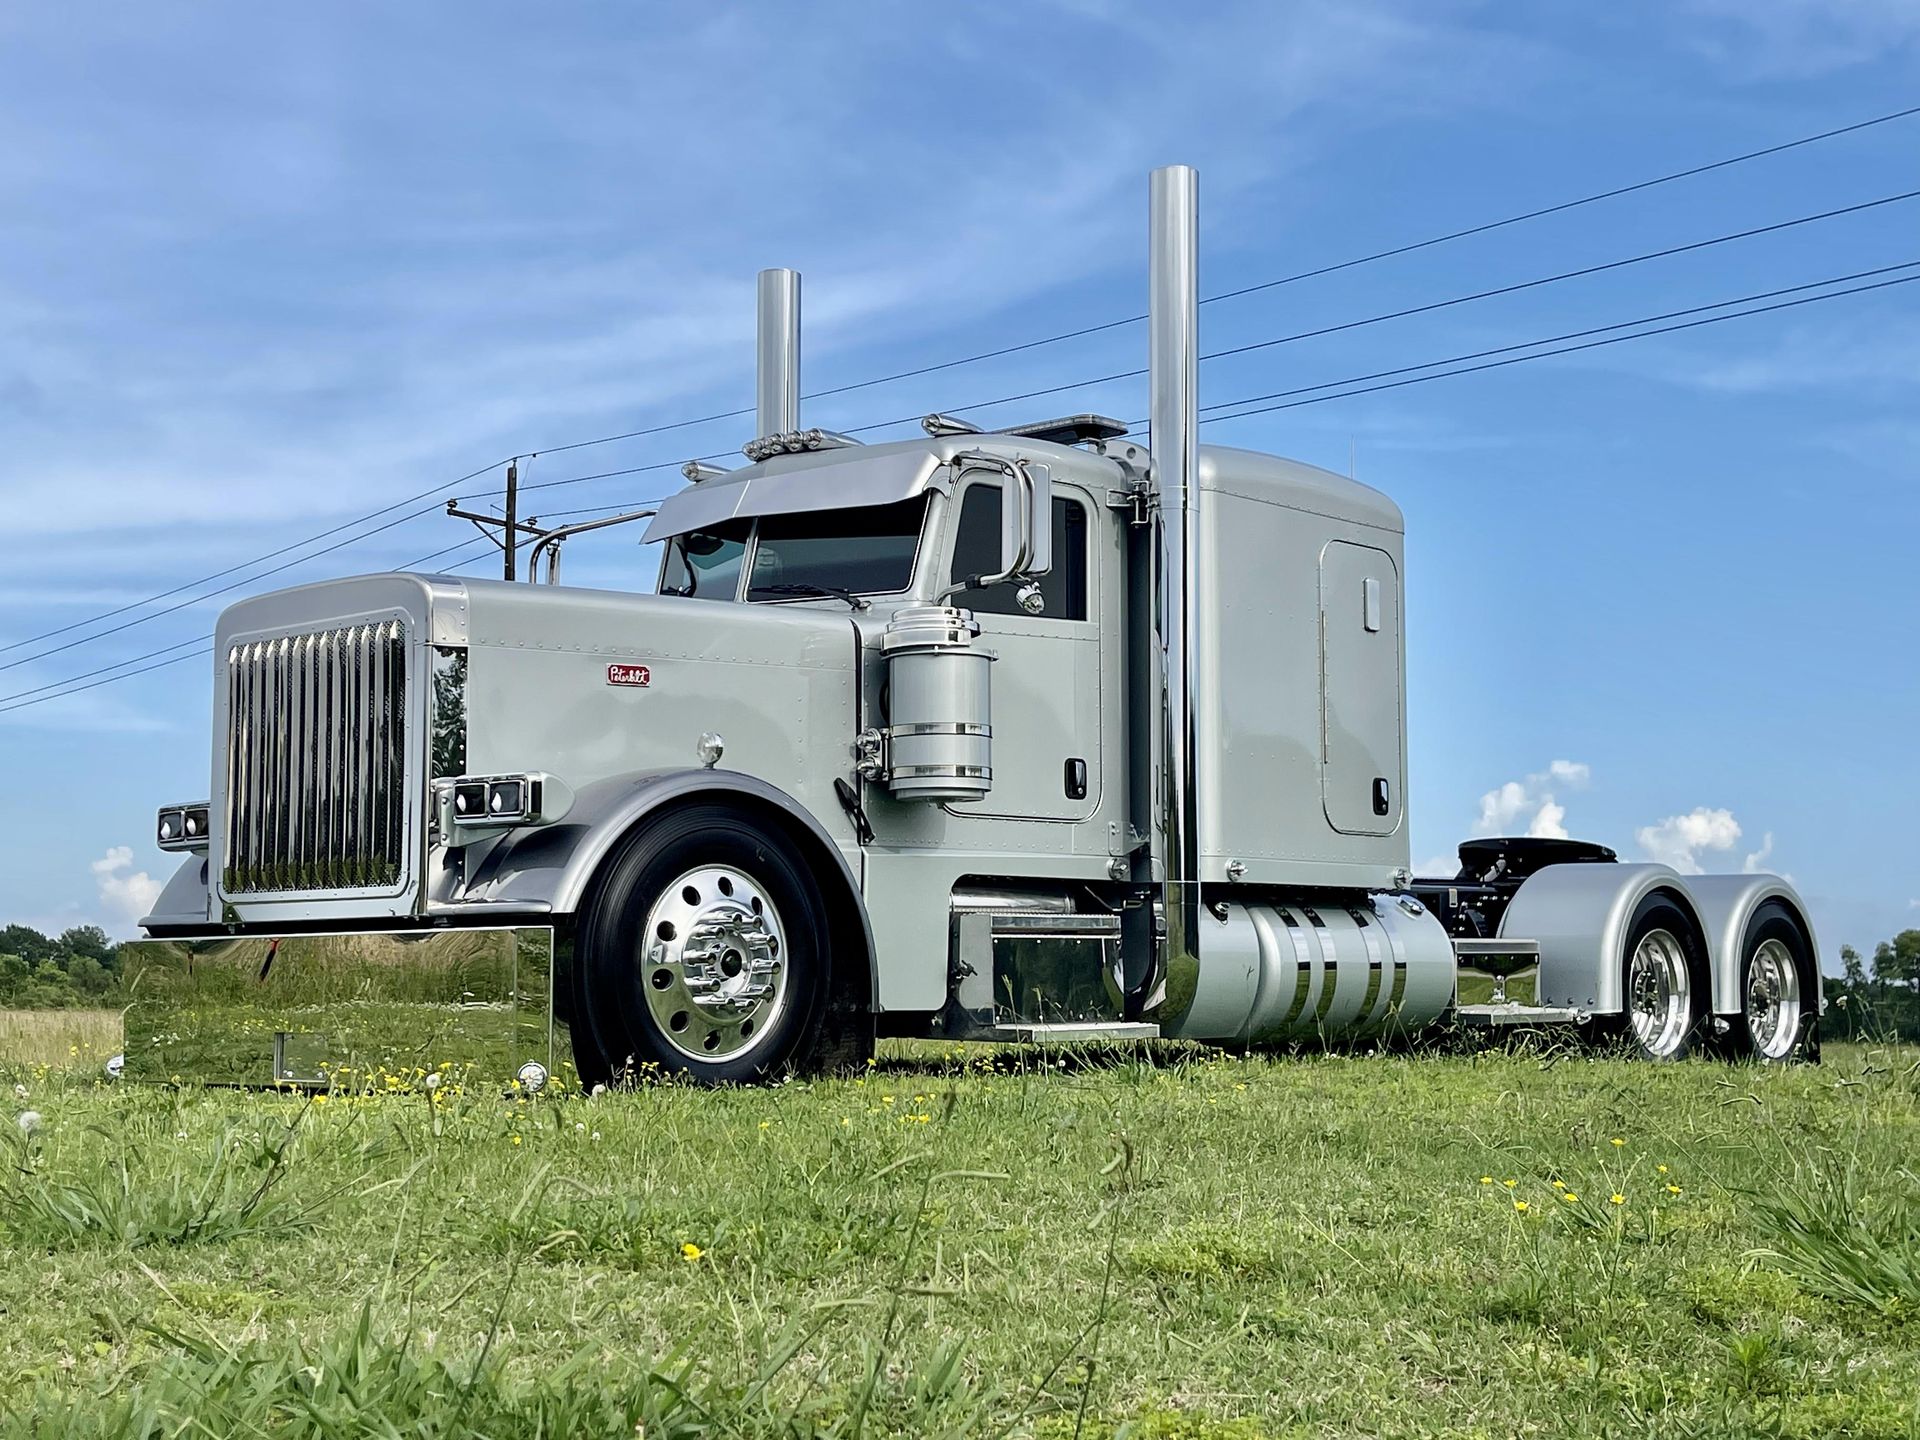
701	951
1780	999
1663	981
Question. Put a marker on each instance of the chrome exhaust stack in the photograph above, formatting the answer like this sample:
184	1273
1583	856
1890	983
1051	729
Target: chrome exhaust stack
1173	346
777	367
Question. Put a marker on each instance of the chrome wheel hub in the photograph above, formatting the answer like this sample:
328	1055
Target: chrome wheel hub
1773	1000
714	963
1659	993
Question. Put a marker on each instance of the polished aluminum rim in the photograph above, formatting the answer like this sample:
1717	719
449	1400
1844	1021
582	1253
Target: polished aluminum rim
1659	998
714	964
1773	1000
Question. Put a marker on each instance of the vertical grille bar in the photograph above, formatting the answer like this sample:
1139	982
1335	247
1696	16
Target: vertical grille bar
317	770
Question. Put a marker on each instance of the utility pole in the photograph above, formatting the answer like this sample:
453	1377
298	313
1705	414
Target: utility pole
510	526
512	545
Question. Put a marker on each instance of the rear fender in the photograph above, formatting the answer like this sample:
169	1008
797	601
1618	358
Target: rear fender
1726	904
1579	914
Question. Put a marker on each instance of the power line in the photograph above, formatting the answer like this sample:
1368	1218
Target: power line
25	698
1003	351
270	555
128	675
231	585
1406	249
477	545
997	353
1568	349
1556	339
1429	307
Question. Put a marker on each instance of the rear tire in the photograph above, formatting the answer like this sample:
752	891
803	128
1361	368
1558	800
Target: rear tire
701	951
1779	1019
1664	990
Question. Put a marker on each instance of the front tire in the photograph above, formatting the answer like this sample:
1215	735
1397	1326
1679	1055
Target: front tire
1779	990
1663	981
701	951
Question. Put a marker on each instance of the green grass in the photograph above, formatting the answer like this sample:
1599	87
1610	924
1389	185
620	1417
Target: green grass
1173	1245
59	1039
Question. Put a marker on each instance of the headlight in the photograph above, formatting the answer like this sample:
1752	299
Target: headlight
473	804
182	827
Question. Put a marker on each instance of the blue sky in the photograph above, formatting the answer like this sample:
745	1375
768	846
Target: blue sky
263	271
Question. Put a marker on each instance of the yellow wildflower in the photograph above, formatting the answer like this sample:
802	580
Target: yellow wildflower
766	1124
1569	1196
691	1253
1616	1198
1673	1189
1510	1184
516	1139
1521	1206
1559	1184
1616	1142
1486	1179
1661	1168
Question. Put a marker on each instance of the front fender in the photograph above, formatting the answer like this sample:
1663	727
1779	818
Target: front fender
546	869
184	901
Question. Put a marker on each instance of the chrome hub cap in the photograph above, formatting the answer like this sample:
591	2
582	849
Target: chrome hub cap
714	963
1659	993
1773	1000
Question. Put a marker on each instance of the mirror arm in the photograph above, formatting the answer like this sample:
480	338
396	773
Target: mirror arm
1020	494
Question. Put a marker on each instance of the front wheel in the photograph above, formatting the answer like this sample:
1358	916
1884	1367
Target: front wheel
701	951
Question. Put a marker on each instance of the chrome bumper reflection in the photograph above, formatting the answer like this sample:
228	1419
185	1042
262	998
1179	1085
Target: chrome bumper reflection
301	1009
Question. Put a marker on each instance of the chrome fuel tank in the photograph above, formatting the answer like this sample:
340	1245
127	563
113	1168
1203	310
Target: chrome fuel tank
1278	970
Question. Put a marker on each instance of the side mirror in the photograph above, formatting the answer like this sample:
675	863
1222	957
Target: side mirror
1026	528
1026	521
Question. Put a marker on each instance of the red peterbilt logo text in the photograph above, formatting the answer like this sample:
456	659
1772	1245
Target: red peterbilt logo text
629	675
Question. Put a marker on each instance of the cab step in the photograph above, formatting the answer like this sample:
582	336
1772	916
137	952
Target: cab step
1070	1032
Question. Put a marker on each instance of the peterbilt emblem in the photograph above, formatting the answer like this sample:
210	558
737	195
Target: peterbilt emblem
629	675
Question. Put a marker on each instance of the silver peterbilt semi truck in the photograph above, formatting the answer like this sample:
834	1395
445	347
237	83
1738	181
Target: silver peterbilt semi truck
1042	733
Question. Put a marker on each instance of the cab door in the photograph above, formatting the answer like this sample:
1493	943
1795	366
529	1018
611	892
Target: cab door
1046	679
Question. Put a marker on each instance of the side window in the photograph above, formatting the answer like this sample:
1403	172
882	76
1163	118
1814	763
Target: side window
705	564
976	551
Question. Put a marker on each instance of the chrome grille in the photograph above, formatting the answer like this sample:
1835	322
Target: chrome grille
316	761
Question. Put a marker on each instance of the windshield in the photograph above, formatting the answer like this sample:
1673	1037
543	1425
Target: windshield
868	550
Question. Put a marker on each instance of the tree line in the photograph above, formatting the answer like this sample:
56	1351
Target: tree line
77	969
1876	998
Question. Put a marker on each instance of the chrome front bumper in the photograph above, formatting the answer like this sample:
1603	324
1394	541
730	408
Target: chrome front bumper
319	1011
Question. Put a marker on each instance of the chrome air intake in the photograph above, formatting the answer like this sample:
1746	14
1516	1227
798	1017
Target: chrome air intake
316	777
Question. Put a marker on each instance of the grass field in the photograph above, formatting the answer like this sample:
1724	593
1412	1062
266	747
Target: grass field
58	1039
1169	1245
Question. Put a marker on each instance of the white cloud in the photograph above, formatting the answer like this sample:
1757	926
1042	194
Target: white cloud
1680	840
1756	859
128	894
1536	798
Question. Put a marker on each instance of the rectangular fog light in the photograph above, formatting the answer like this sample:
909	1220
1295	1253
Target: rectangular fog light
182	827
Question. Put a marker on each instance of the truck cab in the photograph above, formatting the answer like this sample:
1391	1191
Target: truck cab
1037	733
